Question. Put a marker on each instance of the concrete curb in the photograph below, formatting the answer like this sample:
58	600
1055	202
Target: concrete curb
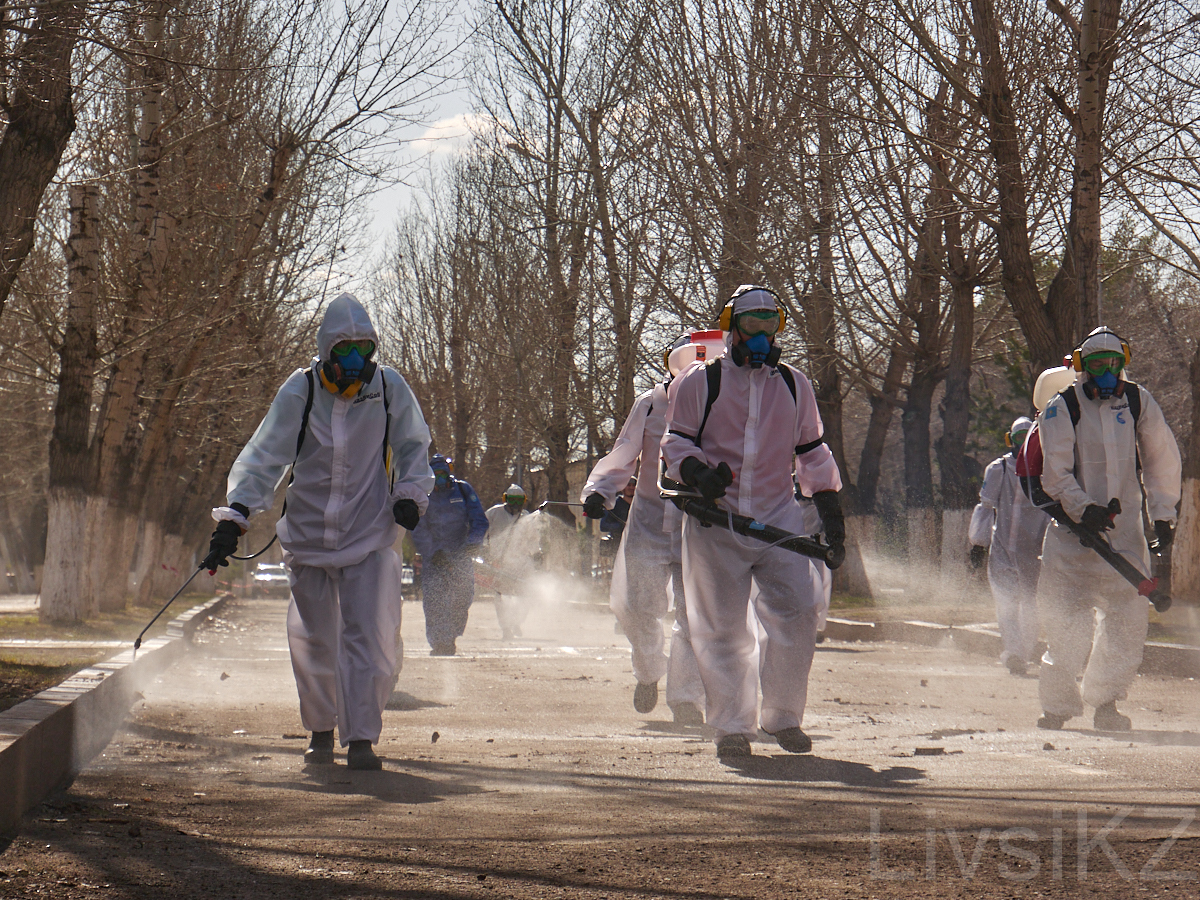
47	740
1175	660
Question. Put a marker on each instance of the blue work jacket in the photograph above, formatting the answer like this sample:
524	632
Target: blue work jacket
455	519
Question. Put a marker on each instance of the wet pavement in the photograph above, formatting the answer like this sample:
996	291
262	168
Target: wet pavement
520	769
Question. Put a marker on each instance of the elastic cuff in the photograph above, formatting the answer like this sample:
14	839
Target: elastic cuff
229	514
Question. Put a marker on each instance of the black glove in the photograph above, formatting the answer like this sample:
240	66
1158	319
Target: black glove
833	523
708	481
979	557
1097	518
1164	535
441	559
593	506
222	546
407	514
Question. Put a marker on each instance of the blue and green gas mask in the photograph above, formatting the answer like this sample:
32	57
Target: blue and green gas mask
1104	372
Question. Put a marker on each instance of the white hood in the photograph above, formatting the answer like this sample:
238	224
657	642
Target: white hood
345	320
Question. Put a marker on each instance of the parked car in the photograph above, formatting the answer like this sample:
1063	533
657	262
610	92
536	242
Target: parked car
270	580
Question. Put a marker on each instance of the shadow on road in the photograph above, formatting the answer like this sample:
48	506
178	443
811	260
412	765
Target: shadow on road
400	701
1137	736
817	768
389	786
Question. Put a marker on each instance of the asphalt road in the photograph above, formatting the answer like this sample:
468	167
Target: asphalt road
521	770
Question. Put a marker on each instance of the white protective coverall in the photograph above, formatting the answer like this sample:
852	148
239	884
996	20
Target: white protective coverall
647	570
338	531
1012	529
1086	606
510	544
755	427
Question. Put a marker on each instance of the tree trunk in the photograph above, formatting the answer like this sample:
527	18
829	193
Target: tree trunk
67	593
118	432
626	345
883	405
820	310
1046	338
1185	555
958	481
1098	25
41	118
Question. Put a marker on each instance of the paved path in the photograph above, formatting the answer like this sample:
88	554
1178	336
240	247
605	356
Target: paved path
521	770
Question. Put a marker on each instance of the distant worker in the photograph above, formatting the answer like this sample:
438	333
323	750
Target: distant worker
448	537
1006	534
740	428
356	442
510	548
1094	435
648	562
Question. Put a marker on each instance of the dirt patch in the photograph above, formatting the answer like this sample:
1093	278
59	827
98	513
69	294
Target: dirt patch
20	681
26	671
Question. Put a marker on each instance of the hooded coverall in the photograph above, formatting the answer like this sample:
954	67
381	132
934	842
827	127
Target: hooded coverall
510	544
755	426
455	525
647	569
1086	606
1012	529
338	531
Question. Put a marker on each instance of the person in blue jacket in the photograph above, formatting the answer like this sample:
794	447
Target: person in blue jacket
447	538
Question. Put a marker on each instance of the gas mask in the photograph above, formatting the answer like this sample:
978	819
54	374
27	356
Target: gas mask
349	367
1103	374
1106	384
756	328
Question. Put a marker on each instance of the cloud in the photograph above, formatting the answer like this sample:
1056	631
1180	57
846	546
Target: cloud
448	136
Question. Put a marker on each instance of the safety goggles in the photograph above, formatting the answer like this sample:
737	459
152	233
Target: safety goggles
345	348
514	499
758	321
1099	364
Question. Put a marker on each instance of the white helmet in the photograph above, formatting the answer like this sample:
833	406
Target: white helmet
1020	425
1103	340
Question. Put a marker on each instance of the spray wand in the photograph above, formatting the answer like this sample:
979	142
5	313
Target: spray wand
138	642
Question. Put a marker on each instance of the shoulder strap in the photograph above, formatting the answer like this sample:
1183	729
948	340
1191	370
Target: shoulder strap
308	377
1133	394
1072	400
712	372
789	379
386	421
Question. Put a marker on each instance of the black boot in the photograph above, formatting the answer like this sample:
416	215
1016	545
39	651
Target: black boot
360	756
1108	719
320	749
645	696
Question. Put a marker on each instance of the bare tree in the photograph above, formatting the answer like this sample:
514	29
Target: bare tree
37	104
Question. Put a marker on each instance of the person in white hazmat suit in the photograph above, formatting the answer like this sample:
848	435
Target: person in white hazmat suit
1007	531
357	443
1095	621
647	570
507	547
745	445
